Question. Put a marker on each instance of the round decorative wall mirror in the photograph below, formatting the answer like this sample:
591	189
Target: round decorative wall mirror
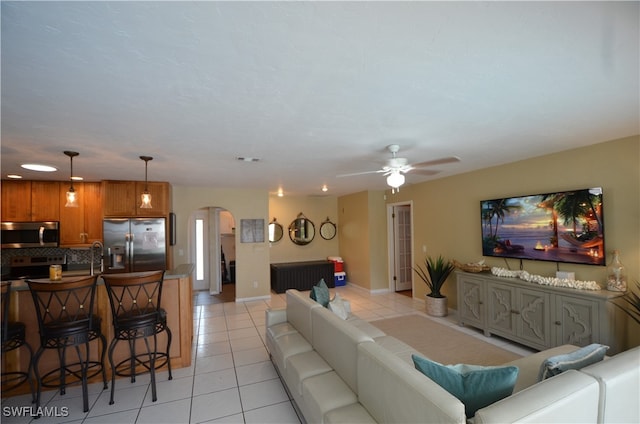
327	229
301	230
275	231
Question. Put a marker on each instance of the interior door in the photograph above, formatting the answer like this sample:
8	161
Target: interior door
402	257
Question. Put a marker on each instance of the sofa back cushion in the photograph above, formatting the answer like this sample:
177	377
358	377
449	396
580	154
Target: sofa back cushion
393	391
619	379
299	308
337	342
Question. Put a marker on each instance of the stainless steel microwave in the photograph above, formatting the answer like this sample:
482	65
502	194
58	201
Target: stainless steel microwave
30	234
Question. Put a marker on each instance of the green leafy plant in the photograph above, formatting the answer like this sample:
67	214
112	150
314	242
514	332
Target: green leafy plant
434	273
631	304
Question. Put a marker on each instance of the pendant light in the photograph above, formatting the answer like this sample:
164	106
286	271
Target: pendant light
146	196
72	198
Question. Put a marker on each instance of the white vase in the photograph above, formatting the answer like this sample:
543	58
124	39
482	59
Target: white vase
436	306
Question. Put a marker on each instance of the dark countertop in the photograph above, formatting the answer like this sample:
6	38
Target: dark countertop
181	271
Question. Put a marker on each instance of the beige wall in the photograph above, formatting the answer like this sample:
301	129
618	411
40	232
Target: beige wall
252	259
363	239
317	209
446	211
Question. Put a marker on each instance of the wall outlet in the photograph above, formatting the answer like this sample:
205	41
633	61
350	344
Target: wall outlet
255	284
566	275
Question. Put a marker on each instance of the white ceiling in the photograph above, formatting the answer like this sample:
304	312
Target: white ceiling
312	89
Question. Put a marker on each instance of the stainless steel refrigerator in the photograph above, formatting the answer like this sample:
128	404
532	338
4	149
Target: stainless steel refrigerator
134	244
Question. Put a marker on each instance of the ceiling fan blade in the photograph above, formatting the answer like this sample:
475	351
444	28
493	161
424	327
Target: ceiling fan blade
359	173
424	171
440	161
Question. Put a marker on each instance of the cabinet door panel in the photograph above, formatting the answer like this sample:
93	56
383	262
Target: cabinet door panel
159	199
576	321
533	325
119	198
471	305
72	219
92	212
501	306
16	200
45	201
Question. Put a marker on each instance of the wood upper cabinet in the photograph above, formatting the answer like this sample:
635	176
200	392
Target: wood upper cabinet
160	195
118	198
122	198
81	225
16	200
45	200
30	201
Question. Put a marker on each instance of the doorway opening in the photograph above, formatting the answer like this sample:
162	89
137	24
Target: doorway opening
212	247
400	231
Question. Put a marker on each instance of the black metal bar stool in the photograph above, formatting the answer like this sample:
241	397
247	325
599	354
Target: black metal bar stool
66	320
13	337
135	306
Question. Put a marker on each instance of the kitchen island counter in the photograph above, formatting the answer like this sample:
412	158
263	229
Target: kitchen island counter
177	300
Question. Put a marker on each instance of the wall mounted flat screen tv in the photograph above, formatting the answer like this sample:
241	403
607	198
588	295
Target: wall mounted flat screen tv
565	226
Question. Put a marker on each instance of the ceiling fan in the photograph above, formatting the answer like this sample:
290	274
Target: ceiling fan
396	167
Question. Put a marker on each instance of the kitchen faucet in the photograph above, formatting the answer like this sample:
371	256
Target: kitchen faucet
101	246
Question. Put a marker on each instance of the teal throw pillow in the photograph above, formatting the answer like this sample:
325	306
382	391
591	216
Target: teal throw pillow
320	293
475	386
572	361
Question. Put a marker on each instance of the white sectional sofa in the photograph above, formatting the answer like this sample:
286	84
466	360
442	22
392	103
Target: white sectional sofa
348	371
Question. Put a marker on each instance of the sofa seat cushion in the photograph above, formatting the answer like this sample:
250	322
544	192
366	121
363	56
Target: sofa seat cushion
571	397
323	393
350	414
476	386
288	345
302	366
529	365
281	329
575	360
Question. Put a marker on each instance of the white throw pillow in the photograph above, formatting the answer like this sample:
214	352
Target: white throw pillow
340	307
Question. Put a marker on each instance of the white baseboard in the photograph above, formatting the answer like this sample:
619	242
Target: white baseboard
251	299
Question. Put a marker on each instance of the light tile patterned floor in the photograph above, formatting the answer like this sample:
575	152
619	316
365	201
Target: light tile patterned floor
231	379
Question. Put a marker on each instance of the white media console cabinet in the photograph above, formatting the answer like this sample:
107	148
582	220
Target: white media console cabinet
535	315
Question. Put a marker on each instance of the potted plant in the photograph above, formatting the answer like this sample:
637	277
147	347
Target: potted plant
434	273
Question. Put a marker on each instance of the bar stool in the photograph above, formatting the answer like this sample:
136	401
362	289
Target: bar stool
135	306
65	318
13	337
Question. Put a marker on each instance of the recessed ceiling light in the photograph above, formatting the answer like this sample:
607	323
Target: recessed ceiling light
247	159
38	167
14	176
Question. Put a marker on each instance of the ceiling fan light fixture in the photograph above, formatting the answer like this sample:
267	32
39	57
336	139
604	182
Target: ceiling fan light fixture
72	198
146	196
395	179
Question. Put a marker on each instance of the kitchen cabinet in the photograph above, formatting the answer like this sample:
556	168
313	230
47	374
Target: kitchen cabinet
16	200
81	225
45	202
30	200
160	199
122	198
538	316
